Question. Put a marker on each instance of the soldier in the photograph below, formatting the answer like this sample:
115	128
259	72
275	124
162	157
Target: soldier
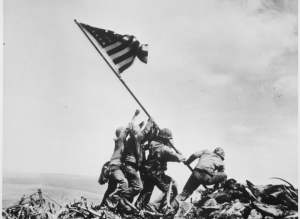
204	172
104	178
115	165
159	154
133	158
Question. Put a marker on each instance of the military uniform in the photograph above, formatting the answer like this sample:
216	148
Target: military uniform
115	165
156	165
208	171
133	158
104	178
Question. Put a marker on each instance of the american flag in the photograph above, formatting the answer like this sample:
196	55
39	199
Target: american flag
120	49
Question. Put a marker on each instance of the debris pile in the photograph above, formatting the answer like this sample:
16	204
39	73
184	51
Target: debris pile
231	200
235	200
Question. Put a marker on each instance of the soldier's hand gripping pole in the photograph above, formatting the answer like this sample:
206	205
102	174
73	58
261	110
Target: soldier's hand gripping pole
175	149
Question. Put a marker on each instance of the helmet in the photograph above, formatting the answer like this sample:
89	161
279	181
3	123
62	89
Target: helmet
220	152
119	130
166	133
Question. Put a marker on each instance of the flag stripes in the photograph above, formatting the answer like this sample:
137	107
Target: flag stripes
121	49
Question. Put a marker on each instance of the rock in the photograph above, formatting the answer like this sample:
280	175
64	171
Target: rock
236	209
183	210
274	210
254	214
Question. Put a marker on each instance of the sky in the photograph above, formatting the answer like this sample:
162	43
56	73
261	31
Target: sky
219	74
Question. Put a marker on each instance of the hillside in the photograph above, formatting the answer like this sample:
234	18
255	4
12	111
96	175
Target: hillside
60	187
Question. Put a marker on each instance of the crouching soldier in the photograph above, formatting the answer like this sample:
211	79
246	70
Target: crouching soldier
208	171
159	154
104	178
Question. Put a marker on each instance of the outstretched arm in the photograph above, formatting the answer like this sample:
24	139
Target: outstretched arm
130	125
194	156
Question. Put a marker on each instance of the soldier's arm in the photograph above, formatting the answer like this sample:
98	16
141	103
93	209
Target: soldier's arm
170	155
194	156
152	135
130	125
146	132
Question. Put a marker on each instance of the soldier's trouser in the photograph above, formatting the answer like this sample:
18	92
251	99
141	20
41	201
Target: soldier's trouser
196	179
135	184
161	201
162	182
112	185
118	176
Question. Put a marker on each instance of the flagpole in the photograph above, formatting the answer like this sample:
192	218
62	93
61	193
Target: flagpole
119	76
116	73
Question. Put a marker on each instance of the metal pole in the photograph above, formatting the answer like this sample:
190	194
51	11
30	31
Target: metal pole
118	75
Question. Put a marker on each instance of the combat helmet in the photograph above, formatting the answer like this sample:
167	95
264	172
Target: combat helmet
219	151
165	133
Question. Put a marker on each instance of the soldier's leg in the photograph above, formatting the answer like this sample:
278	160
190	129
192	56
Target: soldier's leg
155	206
120	178
111	187
117	176
145	194
135	184
163	182
191	185
218	177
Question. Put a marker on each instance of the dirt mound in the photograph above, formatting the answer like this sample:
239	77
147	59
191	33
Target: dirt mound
231	200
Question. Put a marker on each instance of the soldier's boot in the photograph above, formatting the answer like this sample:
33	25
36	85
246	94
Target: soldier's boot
112	201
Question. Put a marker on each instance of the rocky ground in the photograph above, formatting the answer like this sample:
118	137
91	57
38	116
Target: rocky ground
232	200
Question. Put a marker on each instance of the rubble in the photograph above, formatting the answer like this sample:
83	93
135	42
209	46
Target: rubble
231	200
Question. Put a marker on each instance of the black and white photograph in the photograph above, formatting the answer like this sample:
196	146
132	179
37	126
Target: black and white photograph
150	109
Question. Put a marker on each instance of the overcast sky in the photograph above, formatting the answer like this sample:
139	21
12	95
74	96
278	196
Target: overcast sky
219	74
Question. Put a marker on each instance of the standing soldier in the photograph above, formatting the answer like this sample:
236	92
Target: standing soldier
115	165
159	154
204	172
133	158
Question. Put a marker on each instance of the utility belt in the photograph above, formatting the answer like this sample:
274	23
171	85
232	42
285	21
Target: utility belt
204	171
114	167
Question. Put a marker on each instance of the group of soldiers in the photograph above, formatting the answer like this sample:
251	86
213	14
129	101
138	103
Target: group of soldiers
129	173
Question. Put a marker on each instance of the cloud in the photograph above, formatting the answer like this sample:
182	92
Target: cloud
243	39
287	86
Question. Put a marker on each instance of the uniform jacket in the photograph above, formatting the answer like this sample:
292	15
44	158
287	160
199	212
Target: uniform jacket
133	152
208	161
117	157
159	152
